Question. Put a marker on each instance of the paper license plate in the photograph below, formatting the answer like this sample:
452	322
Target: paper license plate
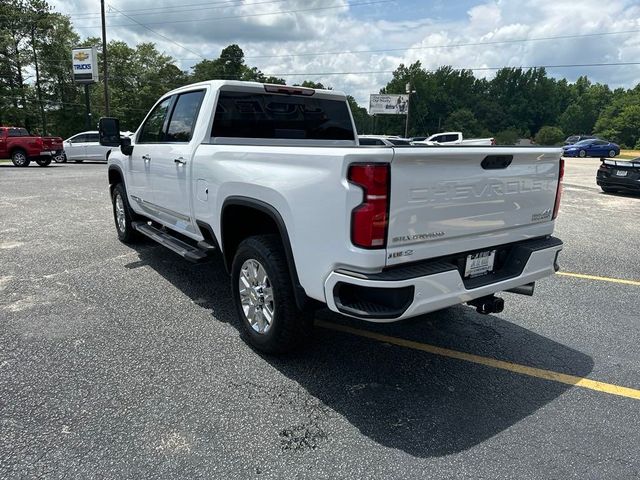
621	173
479	263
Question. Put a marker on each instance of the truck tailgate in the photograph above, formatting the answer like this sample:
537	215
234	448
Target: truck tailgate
447	200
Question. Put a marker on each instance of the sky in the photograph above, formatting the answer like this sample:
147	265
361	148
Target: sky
311	39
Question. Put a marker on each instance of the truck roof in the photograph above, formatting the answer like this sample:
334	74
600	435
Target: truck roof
216	84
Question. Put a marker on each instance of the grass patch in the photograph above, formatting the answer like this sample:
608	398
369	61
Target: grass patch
629	154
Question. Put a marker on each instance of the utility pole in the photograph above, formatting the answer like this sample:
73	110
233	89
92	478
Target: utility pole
104	60
406	121
87	107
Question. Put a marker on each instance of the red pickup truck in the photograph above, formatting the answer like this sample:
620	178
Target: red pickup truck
19	145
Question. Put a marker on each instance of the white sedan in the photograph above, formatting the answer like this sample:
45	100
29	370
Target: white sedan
84	146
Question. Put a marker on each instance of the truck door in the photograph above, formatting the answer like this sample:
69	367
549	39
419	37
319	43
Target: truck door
76	147
170	168
147	149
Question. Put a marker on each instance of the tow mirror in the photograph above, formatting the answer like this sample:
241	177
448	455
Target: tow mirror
109	130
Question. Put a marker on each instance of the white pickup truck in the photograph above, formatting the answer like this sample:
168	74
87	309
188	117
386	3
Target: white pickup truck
274	179
455	138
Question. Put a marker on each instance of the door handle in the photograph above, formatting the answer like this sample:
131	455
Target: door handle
180	161
146	158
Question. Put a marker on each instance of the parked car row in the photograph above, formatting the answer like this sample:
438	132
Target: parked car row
444	139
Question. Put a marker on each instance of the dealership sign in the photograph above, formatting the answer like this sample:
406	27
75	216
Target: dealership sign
388	104
85	65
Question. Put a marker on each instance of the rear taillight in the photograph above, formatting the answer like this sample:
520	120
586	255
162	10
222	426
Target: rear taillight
369	220
556	207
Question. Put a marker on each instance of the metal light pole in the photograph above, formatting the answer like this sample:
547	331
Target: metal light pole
104	60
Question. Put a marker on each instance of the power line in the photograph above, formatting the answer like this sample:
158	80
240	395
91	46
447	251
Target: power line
450	45
159	34
249	15
370	72
427	47
176	9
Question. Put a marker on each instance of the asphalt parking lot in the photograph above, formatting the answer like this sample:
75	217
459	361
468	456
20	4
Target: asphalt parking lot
127	363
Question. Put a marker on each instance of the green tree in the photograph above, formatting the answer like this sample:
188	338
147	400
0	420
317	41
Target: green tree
463	120
509	136
549	136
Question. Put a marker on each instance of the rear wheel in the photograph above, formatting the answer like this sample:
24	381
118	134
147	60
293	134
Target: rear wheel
582	153
123	215
19	158
612	153
43	161
263	294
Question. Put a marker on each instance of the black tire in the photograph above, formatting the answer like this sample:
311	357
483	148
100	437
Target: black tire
61	158
612	153
582	153
43	161
608	189
19	158
289	328
126	232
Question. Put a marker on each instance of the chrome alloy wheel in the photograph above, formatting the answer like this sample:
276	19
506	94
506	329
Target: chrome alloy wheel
19	158
121	220
256	296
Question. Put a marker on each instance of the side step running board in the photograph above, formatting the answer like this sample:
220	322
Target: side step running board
191	253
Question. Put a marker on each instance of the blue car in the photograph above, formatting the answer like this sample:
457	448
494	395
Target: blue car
593	147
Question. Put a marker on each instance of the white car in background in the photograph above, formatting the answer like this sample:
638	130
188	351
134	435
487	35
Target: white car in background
84	146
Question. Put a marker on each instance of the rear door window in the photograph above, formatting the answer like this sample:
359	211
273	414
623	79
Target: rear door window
265	115
92	138
184	116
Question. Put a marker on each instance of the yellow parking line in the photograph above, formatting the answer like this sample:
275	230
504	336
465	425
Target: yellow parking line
602	279
489	362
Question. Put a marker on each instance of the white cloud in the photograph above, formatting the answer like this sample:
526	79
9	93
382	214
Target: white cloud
373	27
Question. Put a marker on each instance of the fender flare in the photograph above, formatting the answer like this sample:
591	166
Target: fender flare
302	300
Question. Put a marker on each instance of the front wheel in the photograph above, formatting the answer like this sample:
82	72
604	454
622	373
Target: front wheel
123	215
60	158
263	294
20	159
612	153
43	161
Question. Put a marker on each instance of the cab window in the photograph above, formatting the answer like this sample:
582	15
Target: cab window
153	129
18	132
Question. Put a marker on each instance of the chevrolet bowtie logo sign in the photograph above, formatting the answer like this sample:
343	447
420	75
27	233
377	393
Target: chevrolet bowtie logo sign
81	56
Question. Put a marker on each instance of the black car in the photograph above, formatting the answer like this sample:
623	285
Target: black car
619	176
577	138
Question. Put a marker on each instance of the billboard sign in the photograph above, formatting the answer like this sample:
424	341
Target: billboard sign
382	104
85	65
